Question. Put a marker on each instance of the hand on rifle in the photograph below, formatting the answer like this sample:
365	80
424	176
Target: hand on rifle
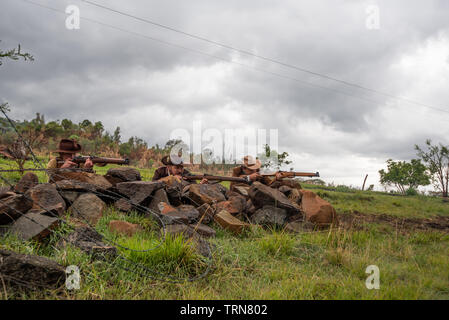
68	164
88	164
204	181
254	176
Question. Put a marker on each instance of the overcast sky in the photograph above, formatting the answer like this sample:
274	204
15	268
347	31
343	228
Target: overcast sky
149	88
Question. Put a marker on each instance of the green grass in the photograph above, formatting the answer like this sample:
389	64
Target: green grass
268	264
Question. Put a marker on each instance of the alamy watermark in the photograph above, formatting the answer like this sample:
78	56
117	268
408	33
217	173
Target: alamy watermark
73	20
372	21
226	146
73	278
373	280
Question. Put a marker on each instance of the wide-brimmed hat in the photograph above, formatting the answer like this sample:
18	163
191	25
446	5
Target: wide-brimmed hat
68	146
251	163
172	160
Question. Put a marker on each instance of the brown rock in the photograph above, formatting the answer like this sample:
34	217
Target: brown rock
234	205
206	193
28	181
158	197
188	231
88	207
34	226
229	222
262	195
295	196
12	206
74	185
122	174
123	204
96	180
124	228
140	192
242	190
189	211
207	213
36	272
46	197
285	190
317	210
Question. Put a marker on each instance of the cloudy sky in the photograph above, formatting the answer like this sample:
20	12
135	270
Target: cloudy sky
111	70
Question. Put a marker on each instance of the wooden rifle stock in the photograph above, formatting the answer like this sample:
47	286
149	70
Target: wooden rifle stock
291	174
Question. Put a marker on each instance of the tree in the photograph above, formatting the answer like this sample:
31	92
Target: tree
15	54
437	160
405	175
273	159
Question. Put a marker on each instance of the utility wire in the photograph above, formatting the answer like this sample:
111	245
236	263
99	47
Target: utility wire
246	52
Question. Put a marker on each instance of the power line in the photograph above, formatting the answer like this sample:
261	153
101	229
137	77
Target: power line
246	52
213	56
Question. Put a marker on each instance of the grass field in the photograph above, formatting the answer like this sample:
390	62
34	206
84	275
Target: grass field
271	264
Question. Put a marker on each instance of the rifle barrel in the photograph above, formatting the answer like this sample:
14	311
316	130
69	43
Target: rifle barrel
216	178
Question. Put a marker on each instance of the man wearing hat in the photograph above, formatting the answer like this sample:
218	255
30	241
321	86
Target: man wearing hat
68	149
250	170
173	166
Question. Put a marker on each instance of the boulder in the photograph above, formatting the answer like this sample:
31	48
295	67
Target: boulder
123	204
170	215
285	190
34	226
46	197
96	180
200	194
122	174
262	195
74	185
318	211
235	205
242	190
270	216
189	211
69	196
124	228
88	207
28	181
295	196
12	206
140	192
229	222
207	213
30	271
89	241
158	197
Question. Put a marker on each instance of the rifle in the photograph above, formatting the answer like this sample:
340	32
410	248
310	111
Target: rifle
214	178
98	160
291	174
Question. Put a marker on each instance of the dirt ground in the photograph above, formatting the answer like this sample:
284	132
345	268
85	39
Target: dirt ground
357	220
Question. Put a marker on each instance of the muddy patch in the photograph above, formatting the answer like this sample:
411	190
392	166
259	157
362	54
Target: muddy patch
357	220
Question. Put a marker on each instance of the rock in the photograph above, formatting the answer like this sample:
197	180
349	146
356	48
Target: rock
34	226
295	196
299	226
140	192
96	180
204	231
250	208
285	190
12	206
317	210
124	228
170	215
262	195
159	196
229	222
189	211
234	205
123	174
69	196
206	193
206	213
270	215
46	197
291	183
242	190
90	242
74	185
29	271
28	181
123	204
88	207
